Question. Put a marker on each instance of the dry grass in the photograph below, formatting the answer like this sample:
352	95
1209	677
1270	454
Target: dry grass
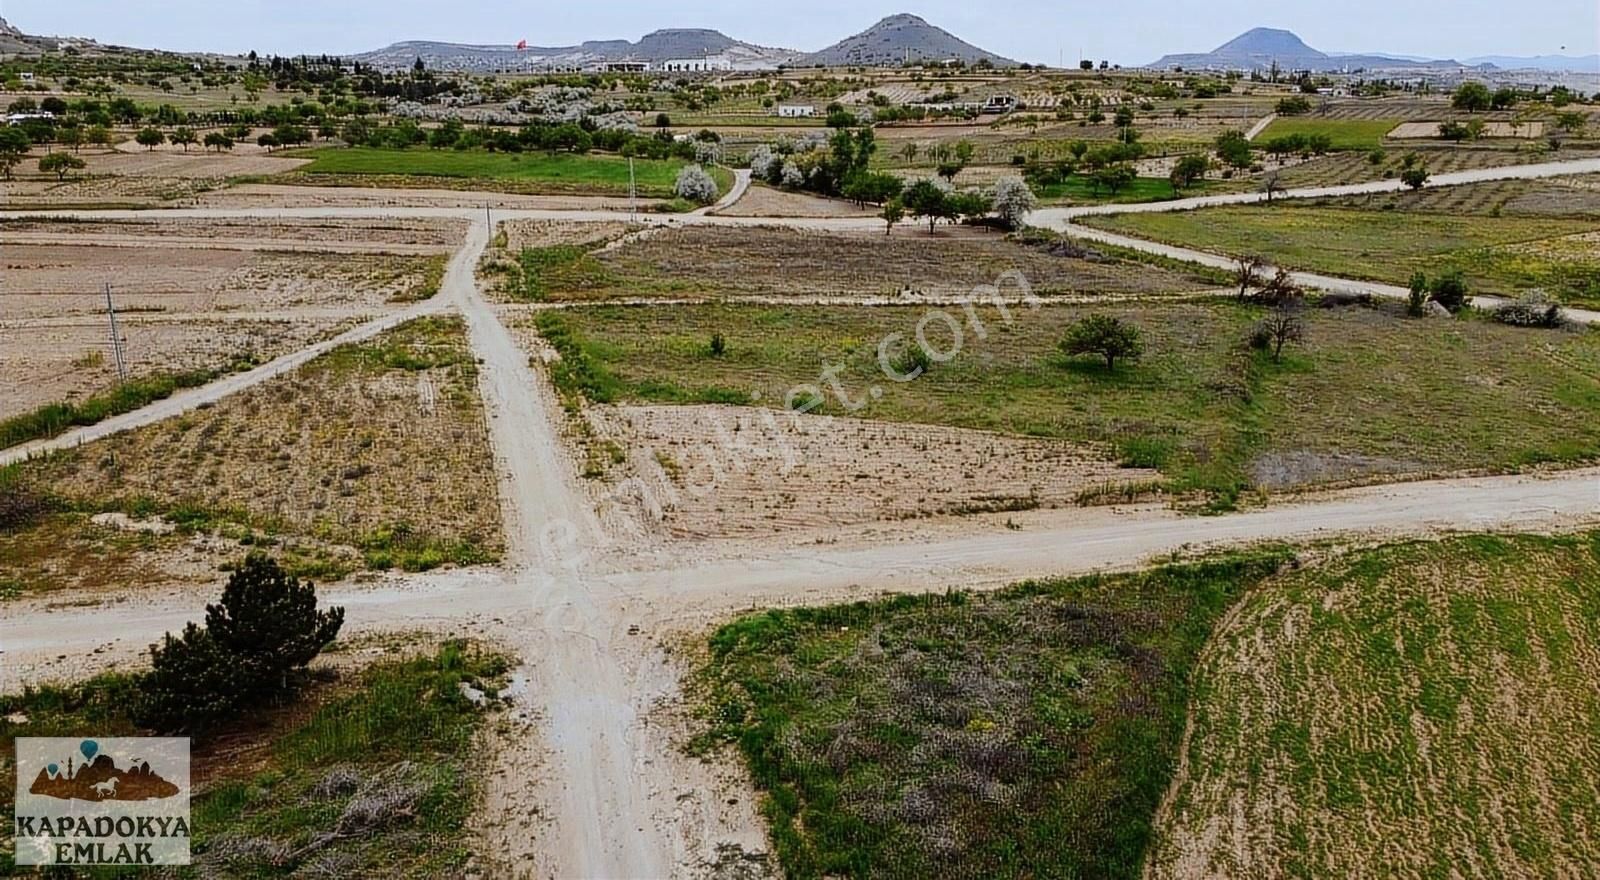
1434	702
380	446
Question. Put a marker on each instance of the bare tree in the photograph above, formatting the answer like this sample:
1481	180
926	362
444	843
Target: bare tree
1271	183
1247	272
1280	327
1281	291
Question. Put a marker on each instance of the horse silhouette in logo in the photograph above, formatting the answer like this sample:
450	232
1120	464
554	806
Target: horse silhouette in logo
99	779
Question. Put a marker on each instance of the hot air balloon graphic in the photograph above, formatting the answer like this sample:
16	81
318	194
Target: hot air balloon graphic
522	44
89	748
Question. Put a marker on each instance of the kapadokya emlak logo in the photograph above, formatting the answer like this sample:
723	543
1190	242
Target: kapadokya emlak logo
106	800
98	778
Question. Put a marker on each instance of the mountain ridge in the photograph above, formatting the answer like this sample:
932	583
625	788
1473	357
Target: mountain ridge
896	38
1262	47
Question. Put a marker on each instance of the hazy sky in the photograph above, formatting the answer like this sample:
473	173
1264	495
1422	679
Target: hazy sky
1126	31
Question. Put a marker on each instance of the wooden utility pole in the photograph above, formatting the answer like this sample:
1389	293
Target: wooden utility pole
116	338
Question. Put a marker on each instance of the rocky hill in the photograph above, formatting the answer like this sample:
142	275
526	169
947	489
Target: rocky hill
898	38
1260	48
657	46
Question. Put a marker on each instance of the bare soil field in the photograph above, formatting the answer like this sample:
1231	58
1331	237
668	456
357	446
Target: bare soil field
46	280
520	234
718	472
138	178
71	359
374	454
770	262
273	195
392	235
765	201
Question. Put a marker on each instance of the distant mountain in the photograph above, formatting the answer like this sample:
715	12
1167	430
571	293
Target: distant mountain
7	30
1260	48
896	39
1570	63
657	46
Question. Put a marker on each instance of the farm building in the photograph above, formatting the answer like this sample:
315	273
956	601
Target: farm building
796	111
696	65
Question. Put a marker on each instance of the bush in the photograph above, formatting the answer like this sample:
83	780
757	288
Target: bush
695	185
21	503
254	647
719	345
1106	336
1418	297
1532	310
1449	290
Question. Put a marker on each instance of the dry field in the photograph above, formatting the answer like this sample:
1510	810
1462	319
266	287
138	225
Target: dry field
273	195
1354	167
193	295
373	454
1577	196
1435	702
769	262
718	472
765	201
138	178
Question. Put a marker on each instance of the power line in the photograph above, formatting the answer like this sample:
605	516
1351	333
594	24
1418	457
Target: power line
116	338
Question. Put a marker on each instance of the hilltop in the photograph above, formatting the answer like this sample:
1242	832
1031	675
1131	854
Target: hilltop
898	38
656	46
1260	48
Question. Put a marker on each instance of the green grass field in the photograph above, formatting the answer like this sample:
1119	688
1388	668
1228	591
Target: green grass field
1080	189
1433	701
1368	394
275	779
1347	134
1025	733
1500	255
562	172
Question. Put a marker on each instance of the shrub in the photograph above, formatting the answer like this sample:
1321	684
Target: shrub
719	345
1414	177
695	185
21	503
1418	299
1531	310
255	644
1449	290
1106	336
1012	200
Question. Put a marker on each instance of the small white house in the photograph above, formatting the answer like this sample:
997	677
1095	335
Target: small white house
27	76
796	111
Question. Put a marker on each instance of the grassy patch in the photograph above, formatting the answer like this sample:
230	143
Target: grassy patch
1346	134
1080	188
400	729
1368	393
1505	255
56	418
561	172
568	267
1025	733
1434	701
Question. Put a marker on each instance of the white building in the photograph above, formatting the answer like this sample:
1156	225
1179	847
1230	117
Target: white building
796	111
695	65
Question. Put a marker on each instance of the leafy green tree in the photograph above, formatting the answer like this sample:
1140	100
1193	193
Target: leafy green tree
14	145
893	212
71	136
1234	149
60	163
150	137
1105	336
1188	171
183	137
218	141
1473	97
1416	177
1449	290
924	199
1417	299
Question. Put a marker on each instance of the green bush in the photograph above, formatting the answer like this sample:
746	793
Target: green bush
253	649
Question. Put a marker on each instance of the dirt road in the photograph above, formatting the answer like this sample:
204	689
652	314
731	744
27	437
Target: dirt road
616	797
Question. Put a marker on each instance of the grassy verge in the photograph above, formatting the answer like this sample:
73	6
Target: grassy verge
1367	395
56	418
560	173
383	756
1346	134
1079	188
1504	255
1025	733
1434	701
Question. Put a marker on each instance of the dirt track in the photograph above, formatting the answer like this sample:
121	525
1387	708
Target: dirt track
589	619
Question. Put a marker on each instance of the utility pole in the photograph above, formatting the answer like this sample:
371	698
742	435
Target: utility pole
116	338
633	194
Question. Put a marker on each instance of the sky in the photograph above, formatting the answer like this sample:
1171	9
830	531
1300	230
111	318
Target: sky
1127	32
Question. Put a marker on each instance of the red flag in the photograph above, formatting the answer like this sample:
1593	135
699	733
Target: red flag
522	44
